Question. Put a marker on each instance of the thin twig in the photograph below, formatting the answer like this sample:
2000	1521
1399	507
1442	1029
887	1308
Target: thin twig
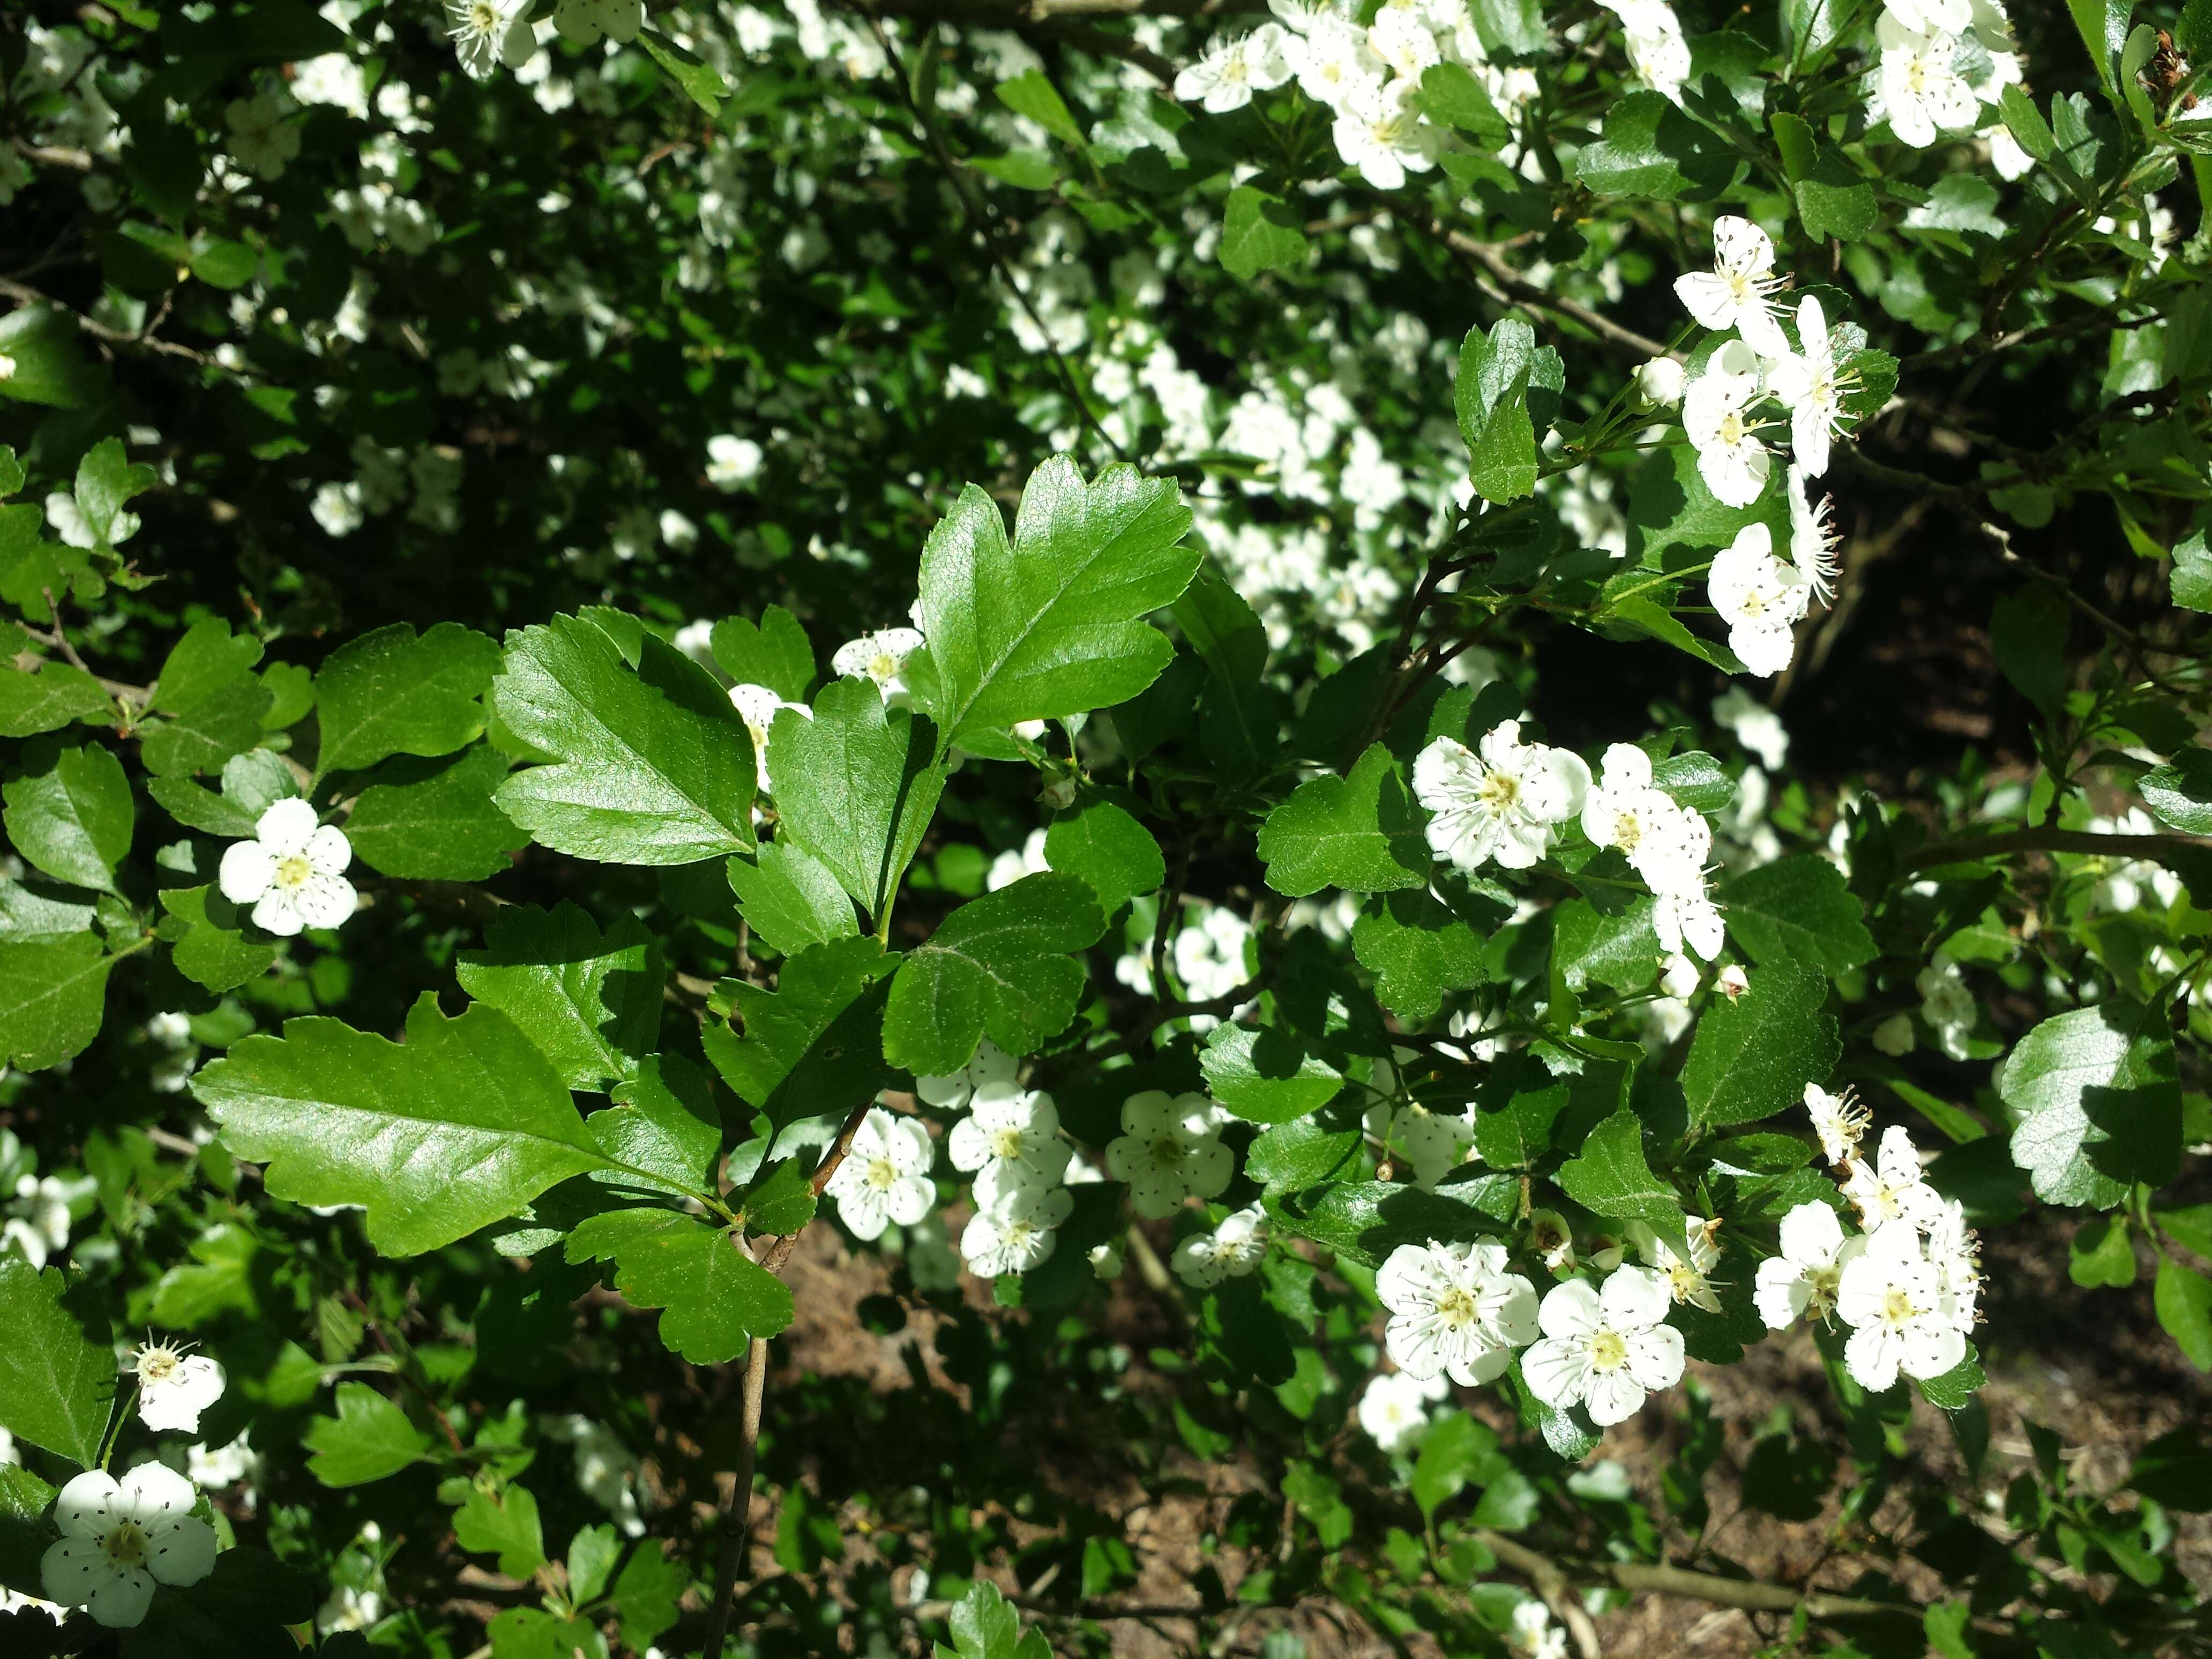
31	296
2159	848
1529	297
737	1518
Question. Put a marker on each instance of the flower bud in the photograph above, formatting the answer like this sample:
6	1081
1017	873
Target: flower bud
1106	1261
1732	981
1894	1036
1659	383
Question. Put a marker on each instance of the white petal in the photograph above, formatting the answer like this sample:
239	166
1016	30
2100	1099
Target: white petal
325	901
86	1506
1635	1298
183	1555
1871	1358
122	1602
286	827
247	869
1556	1371
276	913
71	1571
1570	1310
329	850
1780	1293
153	1490
1614	1397
1655	1357
1811	1235
1706	298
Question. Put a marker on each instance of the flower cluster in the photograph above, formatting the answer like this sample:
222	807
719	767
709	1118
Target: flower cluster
1665	842
1009	1146
1906	1285
1939	61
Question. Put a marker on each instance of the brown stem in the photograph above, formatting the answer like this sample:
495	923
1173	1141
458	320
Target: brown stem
31	296
1549	1581
2159	848
737	1506
1519	291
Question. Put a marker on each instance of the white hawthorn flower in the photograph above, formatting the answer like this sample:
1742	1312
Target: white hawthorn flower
1686	1281
1894	1036
1015	1134
1686	919
1455	1310
1946	1005
1014	1233
733	462
1394	1408
1812	388
1333	61
174	1387
1955	1253
1659	382
1933	16
1666	844
954	1090
1731	981
1168	1152
1403	41
1805	1278
1504	803
292	872
1233	67
885	1175
1731	458
881	657
1535	1634
1921	93
1551	1240
1379	134
1889	1296
1106	1261
1231	1251
1813	538
486	33
7	366
2011	162
758	707
1432	1144
1605	1348
1838	1120
1652	35
263	135
1733	293
1679	974
1761	598
120	1537
1891	1187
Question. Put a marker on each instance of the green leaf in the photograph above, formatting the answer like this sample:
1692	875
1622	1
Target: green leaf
2180	792
1507	394
1417	950
1361	833
504	1523
1303	1153
251	782
664	1122
639	779
2104	27
1753	1057
1450	95
816	1044
996	967
1267	1076
774	652
1833	197
2028	637
25	1532
50	366
56	695
436	820
1659	622
855	787
227	721
1798	909
534	1633
2096	1104
1510	27
717	1298
1259	233
782	1200
1050	624
2192	571
463	1125
104	481
370	1439
2102	1252
390	693
2176	1469
647	1594
52	992
589	1001
700	80
984	1627
1610	1176
69	812
207	658
213	950
2183	1300
2026	123
1033	95
58	1365
1619	948
1652	149
1365	1220
1113	853
791	901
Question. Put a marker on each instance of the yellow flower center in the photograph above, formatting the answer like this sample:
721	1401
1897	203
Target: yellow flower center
1896	1307
882	1174
1608	1349
1456	1308
124	1545
1167	1153
293	871
1006	1143
1498	790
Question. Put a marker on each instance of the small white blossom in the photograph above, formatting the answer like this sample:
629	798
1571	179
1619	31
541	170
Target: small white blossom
1839	1119
1393	1409
1505	803
1551	1240
1686	919
174	1387
1805	1278
1890	1297
881	657
1535	1635
1605	1348
1659	382
1432	1144
1922	94
1687	1280
1381	135
1761	598
1166	1151
292	872
733	462
758	707
1733	293
263	135
1813	541
1015	1134
1946	1005
1731	981
1234	67
1812	388
1891	1187
1231	1250
1014	1233
885	1175
121	1538
1106	1260
954	1090
1333	61
486	33
1665	843
1894	1036
1732	458
1455	1310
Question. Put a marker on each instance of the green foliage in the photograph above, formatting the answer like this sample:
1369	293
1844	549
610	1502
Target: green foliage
1753	1057
717	1298
1357	832
57	1371
996	967
855	787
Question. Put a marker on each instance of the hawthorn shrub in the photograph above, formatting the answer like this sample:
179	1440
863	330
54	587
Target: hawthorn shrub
1312	752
